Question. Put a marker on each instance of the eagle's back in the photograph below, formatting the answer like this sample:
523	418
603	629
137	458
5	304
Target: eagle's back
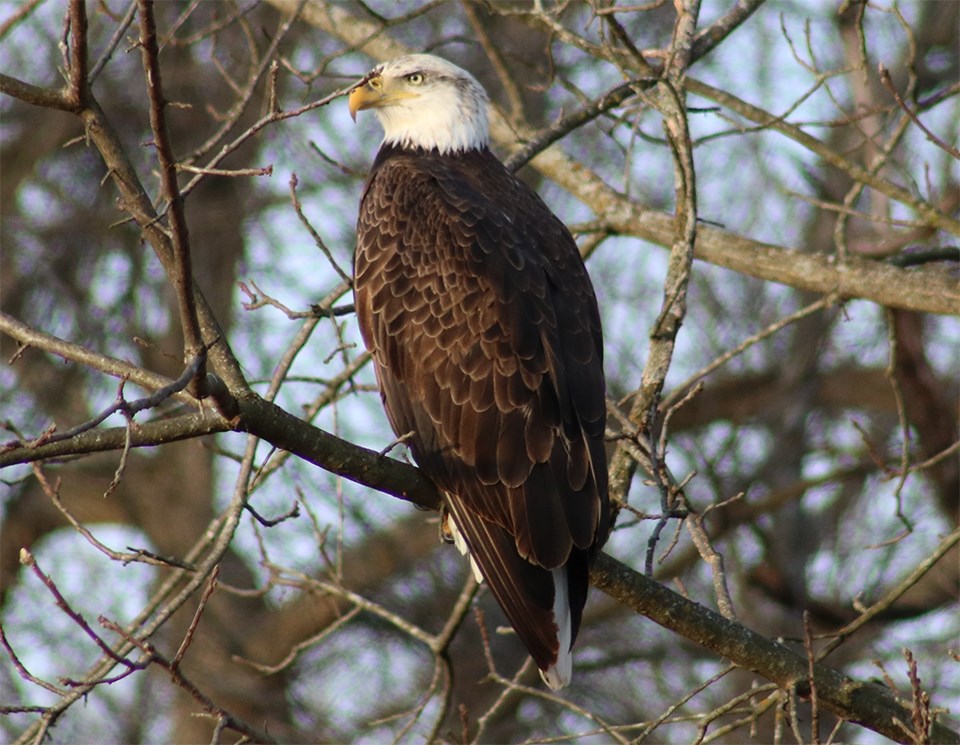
485	334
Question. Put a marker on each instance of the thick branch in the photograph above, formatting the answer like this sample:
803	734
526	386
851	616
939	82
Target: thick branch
78	53
50	98
358	464
148	434
867	704
920	289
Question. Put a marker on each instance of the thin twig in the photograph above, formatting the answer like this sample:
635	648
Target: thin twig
812	680
22	670
188	637
298	208
114	41
27	560
888	84
576	119
236	172
180	270
892	595
22	12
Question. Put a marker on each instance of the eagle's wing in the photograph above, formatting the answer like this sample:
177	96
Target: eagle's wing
484	329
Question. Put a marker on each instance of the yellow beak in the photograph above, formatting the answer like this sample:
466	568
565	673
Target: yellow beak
364	97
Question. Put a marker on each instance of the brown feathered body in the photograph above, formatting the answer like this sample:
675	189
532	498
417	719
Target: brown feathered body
483	324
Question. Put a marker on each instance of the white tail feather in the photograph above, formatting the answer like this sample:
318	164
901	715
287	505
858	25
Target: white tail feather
461	543
558	674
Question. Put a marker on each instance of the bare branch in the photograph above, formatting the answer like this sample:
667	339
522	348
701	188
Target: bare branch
179	269
888	84
933	216
71	352
36	96
893	595
867	704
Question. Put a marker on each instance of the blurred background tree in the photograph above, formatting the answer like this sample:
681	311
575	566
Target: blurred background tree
798	471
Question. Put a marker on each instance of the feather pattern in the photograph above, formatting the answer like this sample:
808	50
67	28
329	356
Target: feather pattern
485	335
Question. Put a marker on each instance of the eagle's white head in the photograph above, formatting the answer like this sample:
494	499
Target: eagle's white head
425	101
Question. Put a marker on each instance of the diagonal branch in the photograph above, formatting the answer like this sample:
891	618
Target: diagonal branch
866	704
179	270
933	216
854	277
707	39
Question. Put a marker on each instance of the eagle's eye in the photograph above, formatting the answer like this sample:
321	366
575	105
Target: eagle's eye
415	78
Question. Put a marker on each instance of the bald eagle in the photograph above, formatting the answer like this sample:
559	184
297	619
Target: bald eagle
485	335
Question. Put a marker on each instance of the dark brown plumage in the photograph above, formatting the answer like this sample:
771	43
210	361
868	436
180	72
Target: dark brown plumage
485	334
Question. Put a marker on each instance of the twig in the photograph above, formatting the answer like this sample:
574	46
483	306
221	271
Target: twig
812	680
114	41
22	670
52	492
708	38
888	84
302	646
893	595
271	522
257	299
188	637
120	405
758	710
179	270
240	107
682	701
508	691
27	560
566	124
933	216
152	656
892	377
495	54
921	718
298	208
25	10
871	706
698	534
300	580
265	171
604	727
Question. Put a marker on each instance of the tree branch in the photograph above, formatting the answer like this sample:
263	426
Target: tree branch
933	216
707	39
71	352
49	98
866	704
179	268
854	277
134	199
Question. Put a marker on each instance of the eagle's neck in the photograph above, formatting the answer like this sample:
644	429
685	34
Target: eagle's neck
447	124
